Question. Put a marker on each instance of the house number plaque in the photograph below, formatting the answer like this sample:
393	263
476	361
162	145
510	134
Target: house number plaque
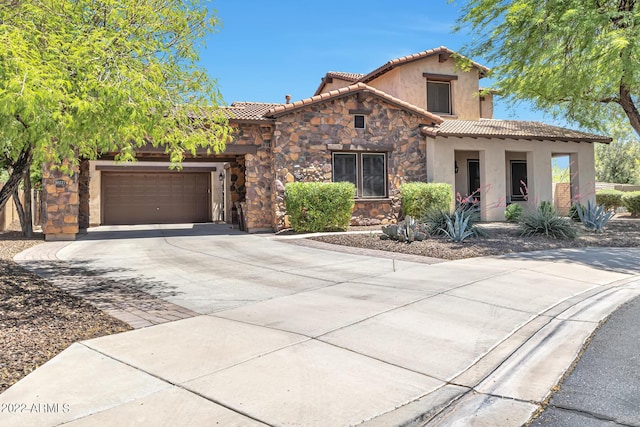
60	183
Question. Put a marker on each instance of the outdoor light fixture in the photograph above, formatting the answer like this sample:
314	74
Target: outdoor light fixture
455	166
221	177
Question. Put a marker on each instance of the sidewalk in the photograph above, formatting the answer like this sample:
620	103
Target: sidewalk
292	335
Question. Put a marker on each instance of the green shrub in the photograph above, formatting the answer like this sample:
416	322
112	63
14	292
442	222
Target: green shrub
631	201
319	206
513	212
459	225
545	220
611	199
418	198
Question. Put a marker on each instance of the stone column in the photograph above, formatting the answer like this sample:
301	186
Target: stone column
61	203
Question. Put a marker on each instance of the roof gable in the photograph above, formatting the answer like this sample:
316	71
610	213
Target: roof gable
340	75
444	53
283	109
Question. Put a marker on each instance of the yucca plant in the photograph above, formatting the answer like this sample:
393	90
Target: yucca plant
594	217
545	220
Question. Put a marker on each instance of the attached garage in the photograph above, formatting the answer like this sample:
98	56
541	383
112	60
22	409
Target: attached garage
155	197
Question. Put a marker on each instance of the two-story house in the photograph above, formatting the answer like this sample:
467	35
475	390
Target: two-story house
415	118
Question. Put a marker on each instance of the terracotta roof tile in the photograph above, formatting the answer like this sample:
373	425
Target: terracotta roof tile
515	129
358	87
414	57
248	110
350	77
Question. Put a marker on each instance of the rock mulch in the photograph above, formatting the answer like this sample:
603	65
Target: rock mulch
502	238
37	319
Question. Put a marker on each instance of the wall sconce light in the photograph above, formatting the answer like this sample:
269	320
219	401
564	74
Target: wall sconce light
221	177
455	166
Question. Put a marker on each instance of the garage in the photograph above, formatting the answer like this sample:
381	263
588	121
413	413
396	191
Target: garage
155	197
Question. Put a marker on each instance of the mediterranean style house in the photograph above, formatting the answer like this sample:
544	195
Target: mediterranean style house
416	118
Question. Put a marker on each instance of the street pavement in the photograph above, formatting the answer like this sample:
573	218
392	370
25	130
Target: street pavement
604	388
273	333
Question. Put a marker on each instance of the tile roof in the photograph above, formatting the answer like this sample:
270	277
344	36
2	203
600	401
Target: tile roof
351	77
414	57
248	110
348	90
515	129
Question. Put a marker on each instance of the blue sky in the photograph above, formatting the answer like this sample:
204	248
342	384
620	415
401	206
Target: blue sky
267	49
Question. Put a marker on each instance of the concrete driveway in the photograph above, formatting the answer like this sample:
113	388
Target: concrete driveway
282	334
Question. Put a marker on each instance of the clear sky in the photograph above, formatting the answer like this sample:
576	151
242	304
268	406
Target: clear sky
267	49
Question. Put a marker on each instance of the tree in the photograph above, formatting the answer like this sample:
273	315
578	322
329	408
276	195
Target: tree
80	78
619	162
574	58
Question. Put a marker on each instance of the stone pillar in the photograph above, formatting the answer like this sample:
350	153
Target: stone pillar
61	203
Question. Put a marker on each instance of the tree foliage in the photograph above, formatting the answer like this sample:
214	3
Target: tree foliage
80	78
574	58
618	162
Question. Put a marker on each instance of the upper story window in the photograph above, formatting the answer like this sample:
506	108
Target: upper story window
367	171
439	98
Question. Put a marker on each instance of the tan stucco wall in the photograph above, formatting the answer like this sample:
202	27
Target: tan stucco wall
336	84
494	156
407	83
486	106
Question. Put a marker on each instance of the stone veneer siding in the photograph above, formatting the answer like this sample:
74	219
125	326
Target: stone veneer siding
60	203
251	176
301	151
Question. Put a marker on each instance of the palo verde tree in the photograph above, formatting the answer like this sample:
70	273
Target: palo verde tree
578	59
80	78
619	162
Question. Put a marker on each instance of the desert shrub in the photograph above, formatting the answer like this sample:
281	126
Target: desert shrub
319	206
631	201
408	230
573	212
438	221
513	212
545	220
459	225
611	199
594	217
418	198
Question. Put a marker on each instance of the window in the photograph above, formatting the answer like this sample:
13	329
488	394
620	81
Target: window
367	171
473	173
358	122
518	180
439	97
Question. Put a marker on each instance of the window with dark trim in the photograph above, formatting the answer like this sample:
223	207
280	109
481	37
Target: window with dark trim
473	175
358	121
439	97
367	171
518	180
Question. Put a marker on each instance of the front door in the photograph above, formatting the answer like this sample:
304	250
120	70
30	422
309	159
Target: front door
473	174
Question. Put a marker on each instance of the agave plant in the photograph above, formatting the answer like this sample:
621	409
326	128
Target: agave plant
459	226
594	217
409	230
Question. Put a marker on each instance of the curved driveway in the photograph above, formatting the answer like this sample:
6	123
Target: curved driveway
284	334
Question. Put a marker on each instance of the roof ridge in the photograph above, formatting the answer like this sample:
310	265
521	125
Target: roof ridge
349	89
413	57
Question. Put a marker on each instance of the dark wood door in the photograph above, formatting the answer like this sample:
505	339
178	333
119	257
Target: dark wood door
155	197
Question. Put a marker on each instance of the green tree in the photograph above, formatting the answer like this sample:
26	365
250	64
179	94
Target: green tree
80	78
619	162
573	58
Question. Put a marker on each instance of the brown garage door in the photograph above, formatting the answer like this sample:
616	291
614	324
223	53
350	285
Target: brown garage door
155	197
